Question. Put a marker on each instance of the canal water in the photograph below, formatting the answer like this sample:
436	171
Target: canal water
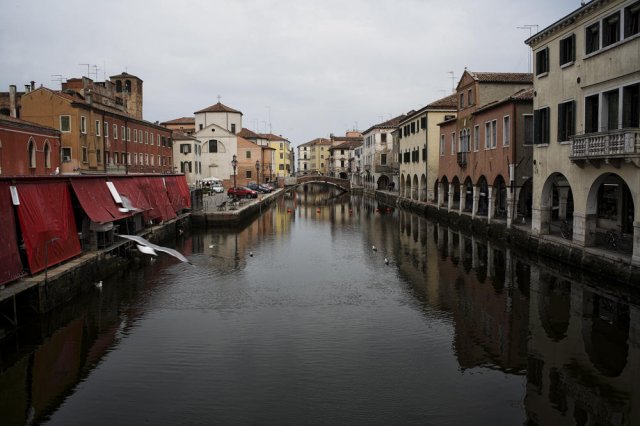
298	320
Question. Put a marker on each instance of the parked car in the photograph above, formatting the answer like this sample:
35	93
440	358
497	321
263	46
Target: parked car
258	187
266	187
241	192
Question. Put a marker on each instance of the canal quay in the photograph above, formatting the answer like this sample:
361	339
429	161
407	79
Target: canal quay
331	308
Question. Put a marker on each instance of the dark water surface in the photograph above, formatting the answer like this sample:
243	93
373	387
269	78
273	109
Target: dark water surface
296	320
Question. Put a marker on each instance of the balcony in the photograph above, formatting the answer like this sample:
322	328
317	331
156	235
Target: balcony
383	168
610	147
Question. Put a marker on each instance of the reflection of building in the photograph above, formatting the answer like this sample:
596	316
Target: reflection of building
584	354
587	124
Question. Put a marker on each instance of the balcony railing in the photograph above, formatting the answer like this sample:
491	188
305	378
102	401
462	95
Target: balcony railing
622	144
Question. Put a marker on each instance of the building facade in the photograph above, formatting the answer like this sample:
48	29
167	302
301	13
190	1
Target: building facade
379	164
28	149
313	157
418	136
587	126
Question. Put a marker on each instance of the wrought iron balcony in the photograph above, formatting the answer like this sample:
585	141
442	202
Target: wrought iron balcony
610	147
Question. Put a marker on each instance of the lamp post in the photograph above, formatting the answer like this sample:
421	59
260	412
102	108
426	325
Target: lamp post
234	164
258	171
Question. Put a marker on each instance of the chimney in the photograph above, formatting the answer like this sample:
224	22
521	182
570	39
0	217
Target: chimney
33	85
27	88
13	110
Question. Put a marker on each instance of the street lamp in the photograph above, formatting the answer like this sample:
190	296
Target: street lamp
258	170
234	164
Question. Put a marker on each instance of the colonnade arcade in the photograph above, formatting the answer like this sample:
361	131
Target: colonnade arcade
492	201
600	213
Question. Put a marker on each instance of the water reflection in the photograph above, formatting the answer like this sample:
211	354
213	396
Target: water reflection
573	345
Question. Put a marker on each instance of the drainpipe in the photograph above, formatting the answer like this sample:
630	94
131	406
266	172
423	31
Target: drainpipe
514	146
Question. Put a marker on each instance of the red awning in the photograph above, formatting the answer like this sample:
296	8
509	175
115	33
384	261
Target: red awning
47	224
137	194
178	194
159	197
96	200
9	254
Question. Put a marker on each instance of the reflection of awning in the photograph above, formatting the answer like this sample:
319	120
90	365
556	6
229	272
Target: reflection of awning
96	200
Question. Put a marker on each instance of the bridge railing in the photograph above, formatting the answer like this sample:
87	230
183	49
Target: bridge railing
342	183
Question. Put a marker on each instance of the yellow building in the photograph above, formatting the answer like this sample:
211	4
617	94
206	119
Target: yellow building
282	160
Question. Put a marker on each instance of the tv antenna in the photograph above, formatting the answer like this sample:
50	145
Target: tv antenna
529	27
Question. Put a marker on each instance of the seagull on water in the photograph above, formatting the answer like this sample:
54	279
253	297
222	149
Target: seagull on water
98	285
374	248
147	247
386	261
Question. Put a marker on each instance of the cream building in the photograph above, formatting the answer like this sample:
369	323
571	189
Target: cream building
587	127
313	157
418	138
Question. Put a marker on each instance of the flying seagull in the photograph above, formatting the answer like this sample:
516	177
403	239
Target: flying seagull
127	206
149	248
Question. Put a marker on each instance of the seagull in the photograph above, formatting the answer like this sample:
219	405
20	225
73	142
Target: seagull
386	261
251	254
149	248
127	206
98	285
374	248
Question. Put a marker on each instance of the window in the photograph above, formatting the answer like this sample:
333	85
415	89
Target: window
470	97
106	129
453	143
592	38
542	61
32	154
487	135
123	132
146	159
65	123
632	20
506	131
135	135
200	126
413	127
383	159
107	157
566	121
461	100
129	134
185	148
158	142
115	158
541	126
213	145
568	50
611	29
135	158
423	123
591	108
383	137
98	128
83	124
282	156
631	105
115	131
247	174
610	108
47	155
66	155
281	167
476	138
494	133
233	128
85	156
248	154
146	137
441	145
98	156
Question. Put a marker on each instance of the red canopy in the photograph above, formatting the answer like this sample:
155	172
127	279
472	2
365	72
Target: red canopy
178	191
9	254
96	200
139	195
47	223
159	197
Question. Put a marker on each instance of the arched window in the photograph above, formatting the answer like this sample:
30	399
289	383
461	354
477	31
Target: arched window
47	154
32	154
127	86
118	86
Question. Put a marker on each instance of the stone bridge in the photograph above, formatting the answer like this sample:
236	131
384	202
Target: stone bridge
344	184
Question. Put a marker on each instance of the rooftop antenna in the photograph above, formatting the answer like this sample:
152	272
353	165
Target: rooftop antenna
453	82
85	65
529	27
269	115
95	71
219	97
59	78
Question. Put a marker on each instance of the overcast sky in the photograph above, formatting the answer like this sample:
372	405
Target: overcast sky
302	69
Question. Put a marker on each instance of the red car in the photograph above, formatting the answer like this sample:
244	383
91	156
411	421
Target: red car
241	192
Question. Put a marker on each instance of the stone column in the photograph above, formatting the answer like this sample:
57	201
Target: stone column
541	218
440	199
492	202
463	198
584	229
450	198
476	200
512	201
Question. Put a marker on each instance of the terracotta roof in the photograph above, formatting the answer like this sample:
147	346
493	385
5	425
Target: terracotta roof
317	141
448	102
23	123
502	77
178	135
182	120
523	95
272	137
125	75
219	107
347	145
389	124
248	134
